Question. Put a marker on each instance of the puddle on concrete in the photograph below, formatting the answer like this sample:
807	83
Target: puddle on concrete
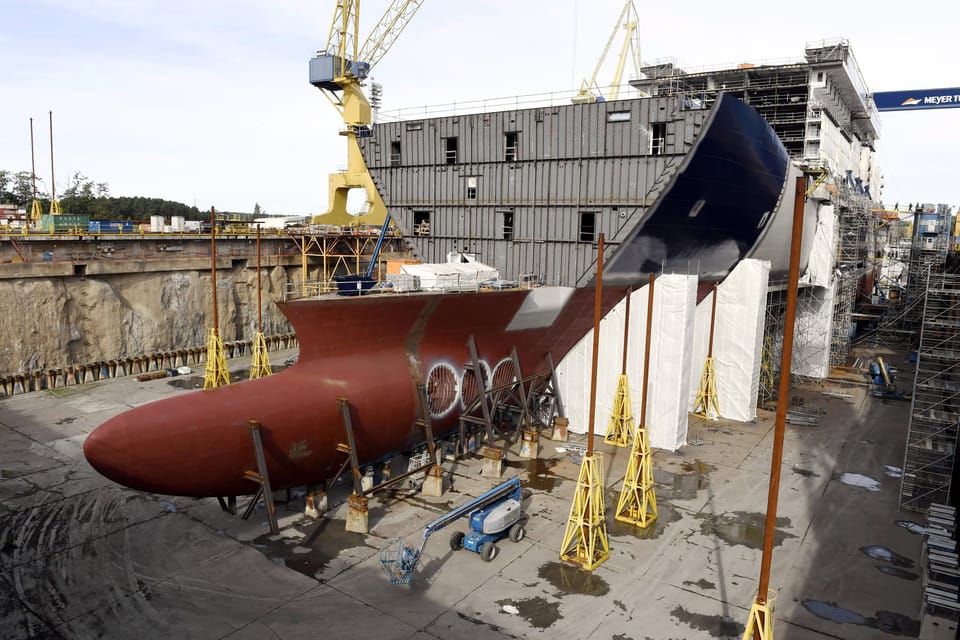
702	583
892	472
806	473
882	553
897	572
912	527
567	579
893	623
184	382
716	626
683	486
67	420
665	515
741	527
310	553
539	474
478	622
537	611
860	480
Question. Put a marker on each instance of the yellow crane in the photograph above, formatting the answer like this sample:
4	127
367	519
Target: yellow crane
629	22
339	72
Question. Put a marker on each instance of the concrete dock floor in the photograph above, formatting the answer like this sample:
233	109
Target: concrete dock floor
81	557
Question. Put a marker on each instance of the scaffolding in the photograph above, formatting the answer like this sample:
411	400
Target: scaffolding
935	413
842	326
341	252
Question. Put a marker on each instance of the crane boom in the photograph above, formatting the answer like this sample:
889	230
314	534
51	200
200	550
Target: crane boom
339	72
629	22
391	24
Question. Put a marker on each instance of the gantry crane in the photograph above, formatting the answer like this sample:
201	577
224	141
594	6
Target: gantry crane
339	71
629	22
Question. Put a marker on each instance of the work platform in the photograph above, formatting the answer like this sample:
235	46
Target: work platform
81	557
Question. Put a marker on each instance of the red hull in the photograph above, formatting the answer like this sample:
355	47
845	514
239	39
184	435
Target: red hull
371	350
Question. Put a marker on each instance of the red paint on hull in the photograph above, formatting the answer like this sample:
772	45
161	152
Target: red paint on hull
366	349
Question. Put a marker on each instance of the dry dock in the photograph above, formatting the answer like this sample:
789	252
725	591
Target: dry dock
81	557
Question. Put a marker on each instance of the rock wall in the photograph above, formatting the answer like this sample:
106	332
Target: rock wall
55	322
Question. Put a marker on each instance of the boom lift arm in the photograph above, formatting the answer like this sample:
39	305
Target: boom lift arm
400	562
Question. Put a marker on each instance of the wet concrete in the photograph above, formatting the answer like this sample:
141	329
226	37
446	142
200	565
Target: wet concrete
882	553
716	626
892	623
537	611
568	579
666	515
806	473
912	527
537	474
683	486
186	382
742	528
310	547
897	572
702	583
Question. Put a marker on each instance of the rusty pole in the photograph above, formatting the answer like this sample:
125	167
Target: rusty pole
784	391
596	343
33	164
259	288
53	184
713	320
646	355
213	269
626	333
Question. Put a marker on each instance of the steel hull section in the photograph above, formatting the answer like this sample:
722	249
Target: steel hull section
726	202
370	350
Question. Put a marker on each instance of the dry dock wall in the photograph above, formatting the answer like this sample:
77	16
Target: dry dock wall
55	321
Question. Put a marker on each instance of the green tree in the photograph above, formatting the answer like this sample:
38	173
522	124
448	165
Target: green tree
257	211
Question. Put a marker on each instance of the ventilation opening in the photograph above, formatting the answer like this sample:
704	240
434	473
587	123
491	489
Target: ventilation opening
588	226
450	150
441	389
80	270
658	138
394	154
421	223
510	139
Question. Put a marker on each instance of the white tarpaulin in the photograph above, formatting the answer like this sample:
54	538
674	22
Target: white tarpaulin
674	304
461	271
823	254
812	333
737	342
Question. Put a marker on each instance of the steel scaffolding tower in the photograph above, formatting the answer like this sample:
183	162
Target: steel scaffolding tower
935	413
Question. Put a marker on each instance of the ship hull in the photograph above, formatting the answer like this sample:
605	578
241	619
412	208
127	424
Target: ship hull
372	351
726	202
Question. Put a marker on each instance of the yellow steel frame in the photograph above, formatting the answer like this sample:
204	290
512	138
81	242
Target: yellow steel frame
620	427
55	207
340	253
216	374
638	497
352	104
36	211
629	21
761	620
585	539
261	361
707	394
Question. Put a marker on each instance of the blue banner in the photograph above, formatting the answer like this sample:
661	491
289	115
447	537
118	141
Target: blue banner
918	99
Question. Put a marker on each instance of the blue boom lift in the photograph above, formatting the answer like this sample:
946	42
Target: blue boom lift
494	515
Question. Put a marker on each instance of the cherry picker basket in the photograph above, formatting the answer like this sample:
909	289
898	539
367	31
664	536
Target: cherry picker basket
399	561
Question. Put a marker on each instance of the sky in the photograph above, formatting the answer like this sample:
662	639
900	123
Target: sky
207	102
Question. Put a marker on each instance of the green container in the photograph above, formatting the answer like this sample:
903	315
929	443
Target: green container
64	223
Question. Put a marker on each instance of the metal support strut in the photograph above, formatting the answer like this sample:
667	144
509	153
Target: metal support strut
707	394
358	508
261	477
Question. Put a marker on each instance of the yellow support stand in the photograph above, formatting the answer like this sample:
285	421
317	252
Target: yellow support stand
55	207
620	427
36	212
707	395
585	539
216	374
638	498
761	620
261	361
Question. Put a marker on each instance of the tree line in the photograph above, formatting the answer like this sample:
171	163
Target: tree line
84	196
